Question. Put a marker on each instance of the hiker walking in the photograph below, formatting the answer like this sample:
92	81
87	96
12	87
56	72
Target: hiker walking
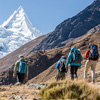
61	70
92	56
21	70
74	59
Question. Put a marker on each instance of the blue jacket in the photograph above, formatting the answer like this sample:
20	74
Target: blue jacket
69	59
58	63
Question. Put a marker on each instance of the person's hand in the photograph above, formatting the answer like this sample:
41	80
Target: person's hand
79	67
14	76
26	78
65	66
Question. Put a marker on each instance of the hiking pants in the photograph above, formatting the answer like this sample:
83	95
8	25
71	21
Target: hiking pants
60	76
73	72
88	64
20	77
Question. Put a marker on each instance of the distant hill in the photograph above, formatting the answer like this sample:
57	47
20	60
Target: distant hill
72	28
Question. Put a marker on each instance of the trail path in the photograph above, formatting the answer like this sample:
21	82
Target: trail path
21	92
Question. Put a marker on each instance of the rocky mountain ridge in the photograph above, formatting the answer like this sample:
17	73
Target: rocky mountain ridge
72	28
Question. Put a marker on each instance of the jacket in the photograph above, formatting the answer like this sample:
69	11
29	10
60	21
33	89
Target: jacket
58	63
87	54
16	67
69	59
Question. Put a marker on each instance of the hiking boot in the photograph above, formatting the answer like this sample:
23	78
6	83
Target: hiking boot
18	83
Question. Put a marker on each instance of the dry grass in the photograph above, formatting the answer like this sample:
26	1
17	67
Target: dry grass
77	90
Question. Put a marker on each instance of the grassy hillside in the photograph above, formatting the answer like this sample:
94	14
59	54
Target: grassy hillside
70	90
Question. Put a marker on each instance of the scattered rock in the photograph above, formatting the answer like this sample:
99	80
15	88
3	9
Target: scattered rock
13	93
11	98
34	99
19	97
36	86
25	97
3	89
34	93
10	85
37	98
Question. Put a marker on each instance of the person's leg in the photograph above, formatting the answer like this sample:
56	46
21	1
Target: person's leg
93	71
58	76
75	71
62	76
87	65
72	72
18	77
22	76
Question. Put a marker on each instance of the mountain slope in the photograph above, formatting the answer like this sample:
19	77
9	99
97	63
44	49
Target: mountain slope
7	61
82	43
72	27
16	31
95	29
44	61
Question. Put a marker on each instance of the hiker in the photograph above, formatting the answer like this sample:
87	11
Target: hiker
74	59
21	70
61	70
92	56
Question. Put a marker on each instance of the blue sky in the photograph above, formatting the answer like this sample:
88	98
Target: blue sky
44	14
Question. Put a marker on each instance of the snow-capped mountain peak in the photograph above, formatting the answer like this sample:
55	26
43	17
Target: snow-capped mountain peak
16	31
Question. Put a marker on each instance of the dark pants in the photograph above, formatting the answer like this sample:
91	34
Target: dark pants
73	72
20	77
60	76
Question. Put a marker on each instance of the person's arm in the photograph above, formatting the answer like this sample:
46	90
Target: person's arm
58	64
68	61
87	54
15	68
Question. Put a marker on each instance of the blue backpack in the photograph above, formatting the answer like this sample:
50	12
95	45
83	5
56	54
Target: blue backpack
22	66
93	52
76	56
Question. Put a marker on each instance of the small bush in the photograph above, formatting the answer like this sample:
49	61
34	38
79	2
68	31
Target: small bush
64	90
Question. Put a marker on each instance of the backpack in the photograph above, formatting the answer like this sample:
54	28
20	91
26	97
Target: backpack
22	66
76	56
62	66
93	52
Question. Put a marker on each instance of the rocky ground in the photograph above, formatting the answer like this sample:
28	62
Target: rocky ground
27	92
20	92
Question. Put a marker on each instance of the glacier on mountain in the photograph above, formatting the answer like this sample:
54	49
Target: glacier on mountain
16	31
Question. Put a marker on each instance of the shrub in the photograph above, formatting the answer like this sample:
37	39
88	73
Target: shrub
63	90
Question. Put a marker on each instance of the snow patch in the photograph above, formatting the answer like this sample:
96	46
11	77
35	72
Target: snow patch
16	31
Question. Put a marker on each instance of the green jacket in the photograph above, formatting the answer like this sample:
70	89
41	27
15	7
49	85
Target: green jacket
16	67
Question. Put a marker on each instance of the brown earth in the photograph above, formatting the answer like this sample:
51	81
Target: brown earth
82	44
15	92
48	59
45	60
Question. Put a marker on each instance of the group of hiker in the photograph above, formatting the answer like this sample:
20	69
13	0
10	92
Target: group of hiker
74	59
